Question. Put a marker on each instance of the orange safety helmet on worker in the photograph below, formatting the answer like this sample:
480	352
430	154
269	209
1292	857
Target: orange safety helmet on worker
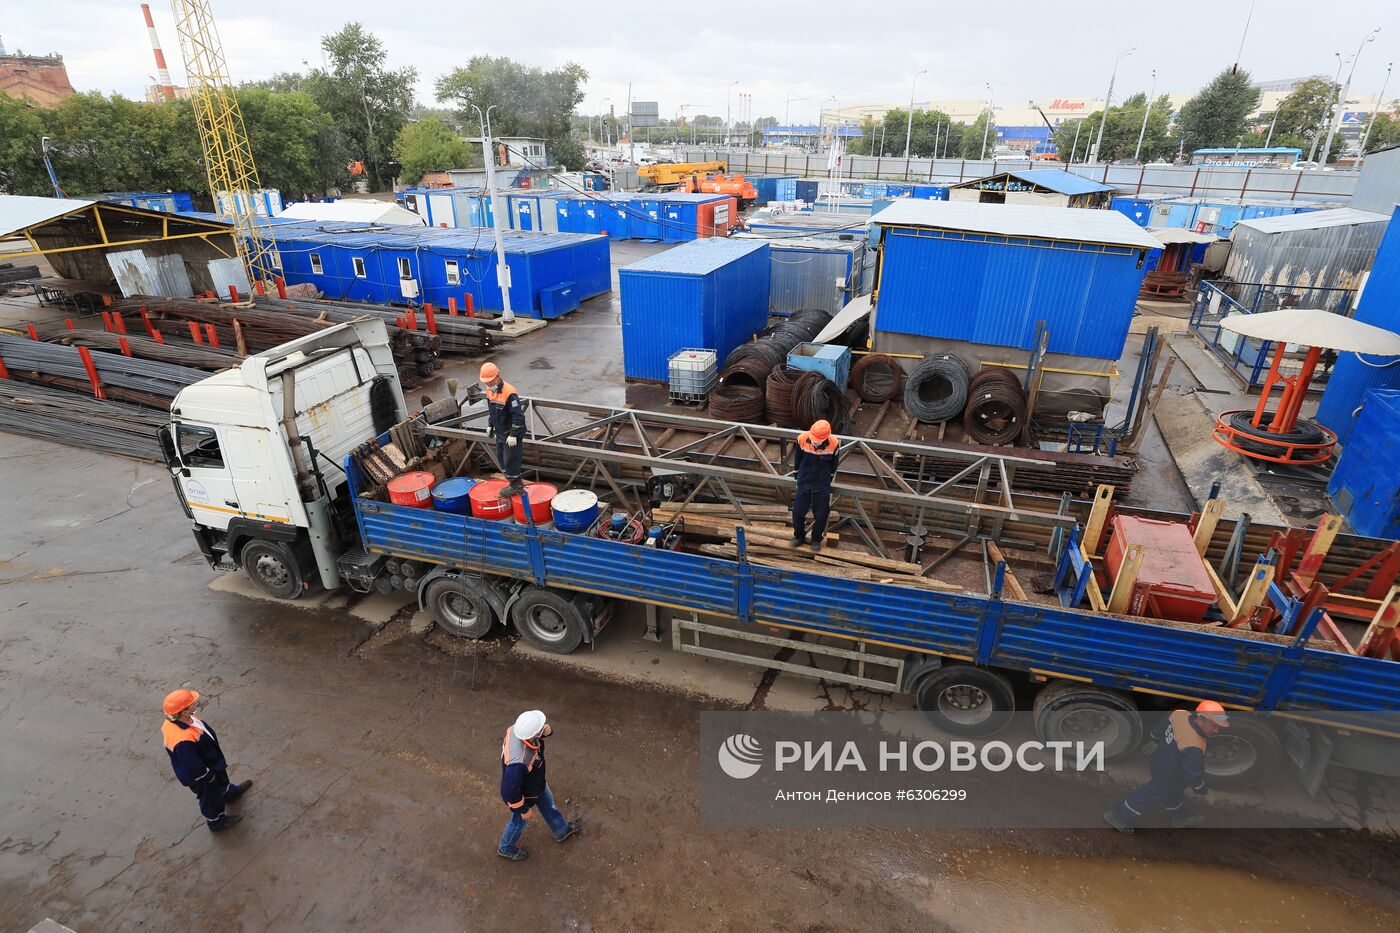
814	463
1178	764
197	759
506	418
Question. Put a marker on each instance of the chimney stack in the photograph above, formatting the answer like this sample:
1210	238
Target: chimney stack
167	87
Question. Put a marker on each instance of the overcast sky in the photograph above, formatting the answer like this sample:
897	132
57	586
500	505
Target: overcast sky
856	51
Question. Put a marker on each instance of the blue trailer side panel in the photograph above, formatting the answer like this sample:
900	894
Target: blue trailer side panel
1365	486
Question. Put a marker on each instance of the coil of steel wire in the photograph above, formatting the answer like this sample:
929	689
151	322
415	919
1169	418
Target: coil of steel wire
937	389
877	378
749	370
817	398
778	396
736	403
996	407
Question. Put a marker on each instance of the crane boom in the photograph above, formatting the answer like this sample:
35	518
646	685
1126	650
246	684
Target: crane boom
228	158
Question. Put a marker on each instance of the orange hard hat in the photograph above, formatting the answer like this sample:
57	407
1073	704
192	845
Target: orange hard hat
177	701
821	430
489	372
1213	711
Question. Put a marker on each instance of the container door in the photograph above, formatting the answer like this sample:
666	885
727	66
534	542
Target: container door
549	215
523	215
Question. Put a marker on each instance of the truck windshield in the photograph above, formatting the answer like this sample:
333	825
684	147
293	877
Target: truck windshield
199	446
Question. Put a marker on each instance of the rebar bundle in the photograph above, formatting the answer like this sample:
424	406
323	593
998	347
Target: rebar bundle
455	334
771	347
130	379
179	353
877	378
736	403
80	421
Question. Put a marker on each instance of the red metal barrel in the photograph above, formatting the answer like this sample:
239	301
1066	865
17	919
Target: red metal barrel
414	490
541	503
487	502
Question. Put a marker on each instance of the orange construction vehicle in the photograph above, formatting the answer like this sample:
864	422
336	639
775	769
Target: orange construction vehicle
735	185
670	174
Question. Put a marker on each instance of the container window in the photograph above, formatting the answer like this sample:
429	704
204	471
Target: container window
454	273
405	270
316	268
199	446
360	268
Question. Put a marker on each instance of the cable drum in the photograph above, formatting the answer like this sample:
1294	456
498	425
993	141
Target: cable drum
937	389
996	407
817	398
877	378
1304	432
736	403
778	396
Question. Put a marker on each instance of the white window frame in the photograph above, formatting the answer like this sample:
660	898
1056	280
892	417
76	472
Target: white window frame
316	267
405	268
454	272
360	272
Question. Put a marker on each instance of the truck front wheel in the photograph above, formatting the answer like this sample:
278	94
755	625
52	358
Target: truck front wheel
548	621
272	568
1242	755
966	700
458	607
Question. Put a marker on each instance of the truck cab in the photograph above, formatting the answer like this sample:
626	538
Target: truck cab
255	453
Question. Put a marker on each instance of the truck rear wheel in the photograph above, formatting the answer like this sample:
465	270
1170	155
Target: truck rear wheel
1067	711
459	607
272	568
1242	755
966	700
548	620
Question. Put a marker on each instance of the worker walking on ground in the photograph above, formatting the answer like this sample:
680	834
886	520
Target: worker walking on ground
507	424
197	759
523	784
1178	764
814	461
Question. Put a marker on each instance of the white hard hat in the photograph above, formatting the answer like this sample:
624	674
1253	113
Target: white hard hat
528	724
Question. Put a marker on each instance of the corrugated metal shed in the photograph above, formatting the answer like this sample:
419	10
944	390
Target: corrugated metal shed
1319	249
708	294
1378	187
1365	486
18	211
824	273
986	273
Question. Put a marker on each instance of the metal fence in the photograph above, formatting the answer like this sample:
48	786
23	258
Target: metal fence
1175	180
1247	357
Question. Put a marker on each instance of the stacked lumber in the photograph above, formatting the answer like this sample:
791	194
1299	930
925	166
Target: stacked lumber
832	562
761	523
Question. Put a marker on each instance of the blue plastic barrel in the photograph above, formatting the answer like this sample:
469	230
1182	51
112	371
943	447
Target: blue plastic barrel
575	511
451	495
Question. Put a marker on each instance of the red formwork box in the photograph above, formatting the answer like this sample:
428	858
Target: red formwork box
1172	582
716	217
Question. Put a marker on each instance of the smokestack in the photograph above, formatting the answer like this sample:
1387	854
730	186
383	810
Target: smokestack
167	87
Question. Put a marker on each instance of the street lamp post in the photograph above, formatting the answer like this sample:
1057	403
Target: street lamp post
1380	101
1108	102
1327	115
1143	132
909	124
1342	101
991	110
787	113
728	123
499	214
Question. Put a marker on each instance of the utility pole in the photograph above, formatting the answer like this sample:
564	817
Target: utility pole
1327	114
787	114
728	111
499	215
909	124
1380	102
1108	102
1142	132
991	110
1342	101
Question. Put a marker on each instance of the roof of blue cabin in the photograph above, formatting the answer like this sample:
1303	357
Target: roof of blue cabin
222	219
370	236
1073	224
698	257
686	198
1052	179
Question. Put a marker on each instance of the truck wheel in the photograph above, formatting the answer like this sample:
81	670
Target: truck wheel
272	568
966	700
1067	711
458	607
548	621
1242	755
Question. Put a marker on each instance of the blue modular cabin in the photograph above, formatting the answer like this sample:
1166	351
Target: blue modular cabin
550	273
168	202
609	213
930	192
772	188
691	216
986	273
1219	215
710	293
1137	208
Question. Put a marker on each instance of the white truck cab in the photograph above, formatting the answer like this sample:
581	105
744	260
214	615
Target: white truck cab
255	453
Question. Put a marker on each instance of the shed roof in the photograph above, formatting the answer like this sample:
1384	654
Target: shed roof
20	212
1072	224
1313	220
1051	179
383	212
697	257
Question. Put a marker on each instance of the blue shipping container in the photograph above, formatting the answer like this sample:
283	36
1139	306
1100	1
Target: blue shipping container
930	192
786	188
1138	210
1365	486
806	190
711	293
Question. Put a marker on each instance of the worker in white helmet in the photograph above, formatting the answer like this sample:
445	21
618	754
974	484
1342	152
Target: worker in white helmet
523	784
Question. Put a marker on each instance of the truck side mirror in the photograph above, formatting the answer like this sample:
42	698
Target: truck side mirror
169	451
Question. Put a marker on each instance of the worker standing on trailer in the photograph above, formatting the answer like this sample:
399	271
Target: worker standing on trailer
507	424
814	461
1178	764
197	759
523	784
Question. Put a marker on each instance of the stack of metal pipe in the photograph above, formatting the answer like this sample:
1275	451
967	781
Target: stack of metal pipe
80	421
123	378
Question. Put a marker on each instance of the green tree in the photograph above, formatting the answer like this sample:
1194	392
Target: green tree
297	146
1073	139
367	101
1384	132
1302	112
21	159
114	144
1219	114
928	126
431	145
1120	134
972	138
529	101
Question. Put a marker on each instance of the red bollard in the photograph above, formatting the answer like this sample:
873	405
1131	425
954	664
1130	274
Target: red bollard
211	335
194	334
92	373
107	321
471	305
412	319
233	293
451	306
258	287
33	334
281	287
126	349
4	373
68	323
157	336
429	319
119	322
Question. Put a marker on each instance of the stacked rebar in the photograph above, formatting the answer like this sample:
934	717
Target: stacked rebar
996	407
123	378
877	378
179	353
937	389
80	421
455	334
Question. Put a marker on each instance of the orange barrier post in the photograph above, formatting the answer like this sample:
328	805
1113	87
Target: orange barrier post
429	320
126	350
211	335
92	373
33	334
194	334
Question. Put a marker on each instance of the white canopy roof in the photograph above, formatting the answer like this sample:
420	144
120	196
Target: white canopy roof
1313	327
1075	224
353	211
20	212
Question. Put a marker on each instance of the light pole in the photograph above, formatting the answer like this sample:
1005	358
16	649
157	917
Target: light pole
498	215
991	109
1342	101
909	124
603	121
787	115
1327	115
1143	132
728	93
1108	101
1380	100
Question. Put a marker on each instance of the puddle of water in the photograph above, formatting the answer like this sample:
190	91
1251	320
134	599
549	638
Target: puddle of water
999	889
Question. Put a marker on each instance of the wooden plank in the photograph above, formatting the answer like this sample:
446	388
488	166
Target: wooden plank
1381	632
1316	552
1228	608
1205	528
1014	585
1098	518
1256	591
874	429
1121	596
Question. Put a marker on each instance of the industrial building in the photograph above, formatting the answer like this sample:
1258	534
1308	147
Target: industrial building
1046	187
1307	253
42	79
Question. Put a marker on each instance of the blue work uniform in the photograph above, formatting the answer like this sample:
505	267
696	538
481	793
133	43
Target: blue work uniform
1178	764
506	415
199	764
815	465
523	786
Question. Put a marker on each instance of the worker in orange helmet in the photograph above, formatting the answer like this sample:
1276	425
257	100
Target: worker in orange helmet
197	759
1178	764
506	418
814	462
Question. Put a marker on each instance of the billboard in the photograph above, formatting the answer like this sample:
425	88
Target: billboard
645	113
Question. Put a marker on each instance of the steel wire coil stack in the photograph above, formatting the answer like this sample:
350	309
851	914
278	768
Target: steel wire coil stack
771	347
778	396
877	378
123	378
817	398
750	370
80	420
937	389
996	407
736	403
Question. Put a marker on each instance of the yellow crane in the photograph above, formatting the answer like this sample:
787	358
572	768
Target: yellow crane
228	159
